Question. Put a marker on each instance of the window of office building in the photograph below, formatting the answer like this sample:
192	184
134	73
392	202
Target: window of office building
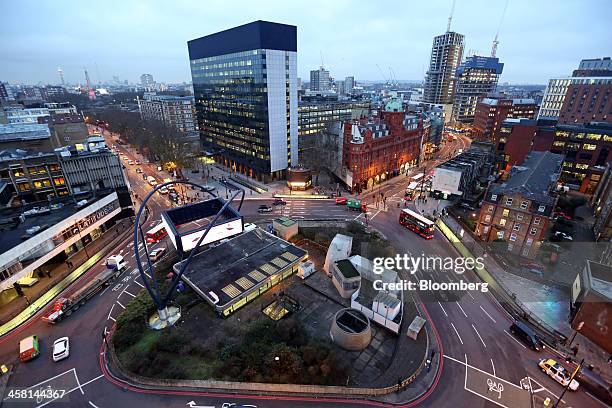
524	205
533	231
508	201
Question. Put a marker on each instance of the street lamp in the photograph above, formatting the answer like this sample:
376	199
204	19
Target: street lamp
576	371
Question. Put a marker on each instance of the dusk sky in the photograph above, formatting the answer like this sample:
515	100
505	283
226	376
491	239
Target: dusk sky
538	39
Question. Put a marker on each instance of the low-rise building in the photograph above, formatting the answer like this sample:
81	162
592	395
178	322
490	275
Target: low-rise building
459	175
382	147
380	304
591	304
345	278
177	112
491	112
339	248
518	210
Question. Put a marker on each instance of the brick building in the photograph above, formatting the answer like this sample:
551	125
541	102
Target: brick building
587	100
380	148
587	149
492	111
517	137
601	202
519	209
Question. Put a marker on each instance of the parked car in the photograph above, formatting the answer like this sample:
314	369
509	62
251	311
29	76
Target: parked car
279	201
156	254
264	209
527	335
341	200
163	190
137	162
138	170
131	162
558	373
563	236
61	348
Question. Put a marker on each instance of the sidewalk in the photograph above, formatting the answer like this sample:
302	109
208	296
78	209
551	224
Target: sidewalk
534	299
12	304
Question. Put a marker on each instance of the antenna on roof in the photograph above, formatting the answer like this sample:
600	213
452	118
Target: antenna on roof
450	17
321	52
495	41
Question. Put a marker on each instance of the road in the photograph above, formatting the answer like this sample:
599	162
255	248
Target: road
473	330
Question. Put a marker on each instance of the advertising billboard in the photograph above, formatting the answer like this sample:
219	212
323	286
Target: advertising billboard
216	233
446	181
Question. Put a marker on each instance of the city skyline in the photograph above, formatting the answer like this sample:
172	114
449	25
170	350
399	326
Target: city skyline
100	38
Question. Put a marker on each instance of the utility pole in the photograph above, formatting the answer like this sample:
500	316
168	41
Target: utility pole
576	371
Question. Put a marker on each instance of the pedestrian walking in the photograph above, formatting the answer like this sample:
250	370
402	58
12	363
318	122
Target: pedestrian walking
575	349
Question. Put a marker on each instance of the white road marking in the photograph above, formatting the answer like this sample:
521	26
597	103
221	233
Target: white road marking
462	311
482	371
119	303
111	311
138	283
470	295
512	337
442	309
78	382
493	365
49	379
128	293
483	343
456	332
92	404
482	308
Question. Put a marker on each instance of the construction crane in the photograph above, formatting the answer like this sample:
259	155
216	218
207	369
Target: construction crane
393	77
450	17
496	41
90	91
383	74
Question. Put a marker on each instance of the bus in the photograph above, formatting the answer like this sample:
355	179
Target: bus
417	177
156	234
417	223
412	189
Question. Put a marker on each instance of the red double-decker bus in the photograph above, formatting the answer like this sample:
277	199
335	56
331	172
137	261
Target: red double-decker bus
156	234
417	223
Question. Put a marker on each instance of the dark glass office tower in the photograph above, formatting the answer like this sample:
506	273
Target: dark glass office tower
245	87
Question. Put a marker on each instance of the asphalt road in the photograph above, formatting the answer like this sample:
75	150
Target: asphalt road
479	354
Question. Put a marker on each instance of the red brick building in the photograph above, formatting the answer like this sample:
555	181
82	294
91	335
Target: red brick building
517	137
380	148
588	100
492	111
518	210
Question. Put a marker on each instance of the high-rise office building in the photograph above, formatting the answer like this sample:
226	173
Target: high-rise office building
475	78
245	88
146	80
349	84
319	80
446	54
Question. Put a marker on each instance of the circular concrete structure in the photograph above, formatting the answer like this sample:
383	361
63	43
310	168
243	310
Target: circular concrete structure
351	329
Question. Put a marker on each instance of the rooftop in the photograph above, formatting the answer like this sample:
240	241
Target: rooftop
24	131
14	232
284	221
600	278
347	268
241	264
534	178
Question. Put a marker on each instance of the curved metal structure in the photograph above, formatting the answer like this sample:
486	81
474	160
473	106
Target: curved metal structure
152	287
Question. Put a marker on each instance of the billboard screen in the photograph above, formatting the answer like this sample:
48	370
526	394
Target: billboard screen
446	180
216	233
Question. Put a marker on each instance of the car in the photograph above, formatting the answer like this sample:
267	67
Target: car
558	373
564	215
341	200
125	158
563	236
61	349
144	176
163	190
137	162
57	206
279	201
524	332
466	206
264	209
138	170
532	265
131	162
156	254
